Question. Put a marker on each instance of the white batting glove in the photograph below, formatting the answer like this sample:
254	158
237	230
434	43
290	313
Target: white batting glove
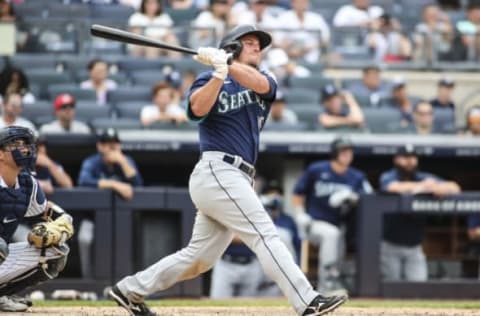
205	55
219	62
303	221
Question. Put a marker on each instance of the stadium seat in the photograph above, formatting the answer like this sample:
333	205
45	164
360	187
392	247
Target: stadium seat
45	78
444	120
182	17
172	126
381	120
30	9
114	12
147	77
130	109
74	63
73	89
87	111
294	97
118	123
280	127
130	94
39	112
120	77
32	61
131	64
315	82
72	11
308	114
189	64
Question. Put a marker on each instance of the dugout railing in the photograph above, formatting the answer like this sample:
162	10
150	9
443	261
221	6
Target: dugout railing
370	213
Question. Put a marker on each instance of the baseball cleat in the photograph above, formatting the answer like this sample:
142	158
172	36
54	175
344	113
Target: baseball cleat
137	308
323	305
21	300
9	305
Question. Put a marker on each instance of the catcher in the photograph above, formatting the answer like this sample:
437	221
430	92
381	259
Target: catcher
44	254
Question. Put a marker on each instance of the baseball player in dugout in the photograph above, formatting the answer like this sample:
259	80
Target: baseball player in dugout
323	195
230	104
43	255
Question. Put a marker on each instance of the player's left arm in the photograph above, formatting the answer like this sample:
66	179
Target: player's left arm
251	78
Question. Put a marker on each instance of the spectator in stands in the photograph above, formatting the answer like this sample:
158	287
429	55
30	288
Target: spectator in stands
212	24
6	11
280	114
257	14
473	121
131	3
174	79
423	119
152	21
402	101
162	109
323	195
401	254
444	96
110	168
371	86
340	109
64	107
11	110
358	14
304	32
99	81
386	41
434	34
14	80
469	30
284	68
50	173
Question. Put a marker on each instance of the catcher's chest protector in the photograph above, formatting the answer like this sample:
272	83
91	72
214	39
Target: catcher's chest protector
13	205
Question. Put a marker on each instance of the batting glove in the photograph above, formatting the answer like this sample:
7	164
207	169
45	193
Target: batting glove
219	62
304	221
205	55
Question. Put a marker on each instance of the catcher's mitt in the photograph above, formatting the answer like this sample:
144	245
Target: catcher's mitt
47	234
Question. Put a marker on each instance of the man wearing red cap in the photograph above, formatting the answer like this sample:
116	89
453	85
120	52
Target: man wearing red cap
64	107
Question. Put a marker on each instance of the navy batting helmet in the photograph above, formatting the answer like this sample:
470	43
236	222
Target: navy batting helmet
231	44
10	134
339	143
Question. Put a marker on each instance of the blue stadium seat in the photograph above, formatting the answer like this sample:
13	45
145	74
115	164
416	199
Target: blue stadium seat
130	94
315	82
308	114
444	120
130	64
118	123
182	16
130	109
147	77
298	96
114	12
45	78
30	9
73	89
87	111
30	61
381	120
69	11
38	112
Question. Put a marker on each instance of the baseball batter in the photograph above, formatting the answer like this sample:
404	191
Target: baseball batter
231	104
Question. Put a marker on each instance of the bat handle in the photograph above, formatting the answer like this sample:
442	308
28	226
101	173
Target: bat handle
230	59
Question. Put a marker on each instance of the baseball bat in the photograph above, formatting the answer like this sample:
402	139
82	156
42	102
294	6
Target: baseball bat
119	35
305	253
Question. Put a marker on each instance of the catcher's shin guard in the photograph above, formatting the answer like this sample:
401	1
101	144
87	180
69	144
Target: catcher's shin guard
47	269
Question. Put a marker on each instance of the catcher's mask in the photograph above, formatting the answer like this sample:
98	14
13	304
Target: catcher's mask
25	154
231	41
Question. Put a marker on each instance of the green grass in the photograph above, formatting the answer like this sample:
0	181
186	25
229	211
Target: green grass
362	303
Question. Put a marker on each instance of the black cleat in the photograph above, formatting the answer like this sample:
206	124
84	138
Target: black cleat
134	308
323	305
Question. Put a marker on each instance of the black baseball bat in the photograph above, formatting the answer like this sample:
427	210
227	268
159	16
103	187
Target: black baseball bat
119	35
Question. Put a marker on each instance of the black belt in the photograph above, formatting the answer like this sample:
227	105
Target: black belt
237	259
250	171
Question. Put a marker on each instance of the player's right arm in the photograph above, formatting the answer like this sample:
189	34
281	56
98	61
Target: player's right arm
203	99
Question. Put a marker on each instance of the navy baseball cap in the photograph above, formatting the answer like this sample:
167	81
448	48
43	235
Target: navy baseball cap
328	91
109	135
174	78
406	150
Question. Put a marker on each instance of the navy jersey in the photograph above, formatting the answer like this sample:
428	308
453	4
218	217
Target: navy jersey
403	229
473	221
319	181
235	120
239	250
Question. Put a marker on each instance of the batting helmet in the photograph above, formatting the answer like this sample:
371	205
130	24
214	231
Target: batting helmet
338	144
9	134
231	44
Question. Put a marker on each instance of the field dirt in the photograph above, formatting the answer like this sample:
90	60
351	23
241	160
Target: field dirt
243	311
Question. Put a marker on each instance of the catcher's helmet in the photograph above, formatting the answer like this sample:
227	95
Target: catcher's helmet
338	144
231	44
9	134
